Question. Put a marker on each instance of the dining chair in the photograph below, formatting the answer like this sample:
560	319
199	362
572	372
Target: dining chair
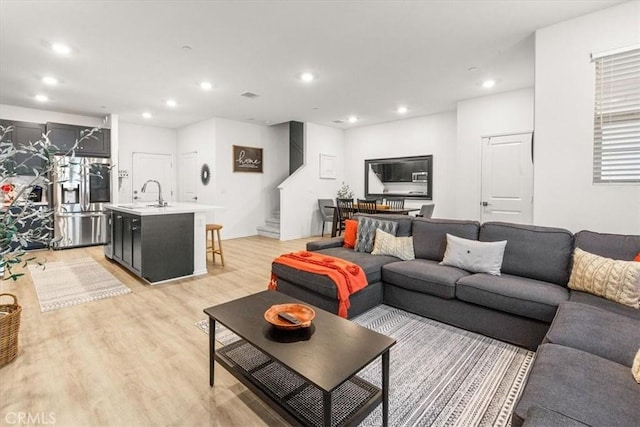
395	203
426	210
369	206
345	211
326	212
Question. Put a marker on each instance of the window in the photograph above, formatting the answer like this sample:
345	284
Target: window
616	148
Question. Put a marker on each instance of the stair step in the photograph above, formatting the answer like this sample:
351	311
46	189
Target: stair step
267	231
273	222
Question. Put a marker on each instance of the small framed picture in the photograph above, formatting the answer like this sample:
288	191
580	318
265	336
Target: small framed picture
247	159
327	166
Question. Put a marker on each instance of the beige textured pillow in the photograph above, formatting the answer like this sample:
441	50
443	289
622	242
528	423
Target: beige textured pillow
635	369
388	244
615	280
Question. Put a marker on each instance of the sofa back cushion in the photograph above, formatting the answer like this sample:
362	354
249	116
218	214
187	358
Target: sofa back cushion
404	222
541	253
430	235
614	246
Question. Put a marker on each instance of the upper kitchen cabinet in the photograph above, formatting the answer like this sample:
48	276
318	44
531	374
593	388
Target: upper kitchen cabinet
64	137
22	134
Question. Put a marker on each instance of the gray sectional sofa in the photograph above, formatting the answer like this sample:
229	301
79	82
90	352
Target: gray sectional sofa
585	344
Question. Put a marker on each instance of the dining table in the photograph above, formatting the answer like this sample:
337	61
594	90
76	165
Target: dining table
380	209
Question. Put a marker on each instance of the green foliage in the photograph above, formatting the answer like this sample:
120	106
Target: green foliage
23	220
344	192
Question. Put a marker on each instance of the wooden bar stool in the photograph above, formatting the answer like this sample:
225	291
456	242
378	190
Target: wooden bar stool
210	229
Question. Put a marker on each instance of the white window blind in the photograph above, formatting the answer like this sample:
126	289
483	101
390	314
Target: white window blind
616	148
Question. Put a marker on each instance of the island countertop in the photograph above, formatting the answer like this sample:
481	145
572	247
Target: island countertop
144	209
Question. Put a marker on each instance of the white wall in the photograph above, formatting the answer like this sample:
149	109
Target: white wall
503	113
299	212
143	139
245	199
10	112
564	91
435	134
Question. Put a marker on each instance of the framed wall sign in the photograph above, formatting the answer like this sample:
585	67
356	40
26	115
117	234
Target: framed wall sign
247	159
327	166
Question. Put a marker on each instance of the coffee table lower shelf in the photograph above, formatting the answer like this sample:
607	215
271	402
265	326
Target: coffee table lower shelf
293	397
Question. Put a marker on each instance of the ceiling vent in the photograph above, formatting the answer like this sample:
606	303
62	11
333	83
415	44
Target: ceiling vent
249	95
338	121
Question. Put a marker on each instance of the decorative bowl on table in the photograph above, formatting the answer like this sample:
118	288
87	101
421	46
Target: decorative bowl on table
302	313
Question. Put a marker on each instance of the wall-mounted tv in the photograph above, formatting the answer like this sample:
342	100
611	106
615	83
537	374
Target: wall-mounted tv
399	177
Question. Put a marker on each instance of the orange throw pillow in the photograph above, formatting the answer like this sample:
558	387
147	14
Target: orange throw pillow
637	258
350	233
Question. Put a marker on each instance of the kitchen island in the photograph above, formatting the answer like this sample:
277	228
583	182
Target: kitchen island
160	243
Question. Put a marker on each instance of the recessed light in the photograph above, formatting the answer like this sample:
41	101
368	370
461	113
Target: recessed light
353	119
307	77
171	103
206	85
147	115
488	84
402	110
49	80
42	98
60	48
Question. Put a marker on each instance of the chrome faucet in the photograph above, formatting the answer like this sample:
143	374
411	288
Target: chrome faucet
161	201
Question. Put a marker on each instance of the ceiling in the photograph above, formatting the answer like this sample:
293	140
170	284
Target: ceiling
370	56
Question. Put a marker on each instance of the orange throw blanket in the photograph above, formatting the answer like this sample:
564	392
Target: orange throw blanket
348	277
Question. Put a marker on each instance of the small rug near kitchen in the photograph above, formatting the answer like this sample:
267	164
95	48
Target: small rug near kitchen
66	283
440	375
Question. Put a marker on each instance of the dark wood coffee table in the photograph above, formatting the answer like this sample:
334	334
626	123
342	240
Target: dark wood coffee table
307	376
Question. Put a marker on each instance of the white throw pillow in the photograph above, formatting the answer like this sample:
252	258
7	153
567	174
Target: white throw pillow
388	244
474	256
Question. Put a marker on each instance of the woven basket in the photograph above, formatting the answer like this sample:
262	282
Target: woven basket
9	327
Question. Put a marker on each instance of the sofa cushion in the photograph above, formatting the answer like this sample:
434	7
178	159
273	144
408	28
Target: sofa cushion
512	294
367	232
614	280
585	298
424	276
596	331
371	264
541	253
543	417
430	235
616	246
474	256
635	368
405	222
582	386
388	244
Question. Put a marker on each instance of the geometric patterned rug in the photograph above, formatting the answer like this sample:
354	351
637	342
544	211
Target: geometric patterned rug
72	282
439	375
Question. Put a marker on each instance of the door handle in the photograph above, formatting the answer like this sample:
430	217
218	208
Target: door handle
485	203
195	198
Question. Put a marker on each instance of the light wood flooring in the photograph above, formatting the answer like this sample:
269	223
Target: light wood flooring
136	359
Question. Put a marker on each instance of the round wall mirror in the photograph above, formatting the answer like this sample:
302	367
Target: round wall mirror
205	174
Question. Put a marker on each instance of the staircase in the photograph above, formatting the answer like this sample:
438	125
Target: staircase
272	226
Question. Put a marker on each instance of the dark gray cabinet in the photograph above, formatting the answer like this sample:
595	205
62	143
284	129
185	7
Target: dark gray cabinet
154	247
64	137
22	134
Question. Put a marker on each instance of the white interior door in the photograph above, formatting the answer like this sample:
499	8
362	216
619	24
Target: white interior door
188	179
146	166
507	179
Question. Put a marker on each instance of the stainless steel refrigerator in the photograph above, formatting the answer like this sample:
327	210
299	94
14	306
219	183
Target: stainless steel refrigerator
81	188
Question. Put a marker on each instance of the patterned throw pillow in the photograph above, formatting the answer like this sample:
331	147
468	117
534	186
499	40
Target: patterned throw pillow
615	280
474	256
635	369
388	244
367	232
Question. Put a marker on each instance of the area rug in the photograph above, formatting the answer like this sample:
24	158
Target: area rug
439	375
67	283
